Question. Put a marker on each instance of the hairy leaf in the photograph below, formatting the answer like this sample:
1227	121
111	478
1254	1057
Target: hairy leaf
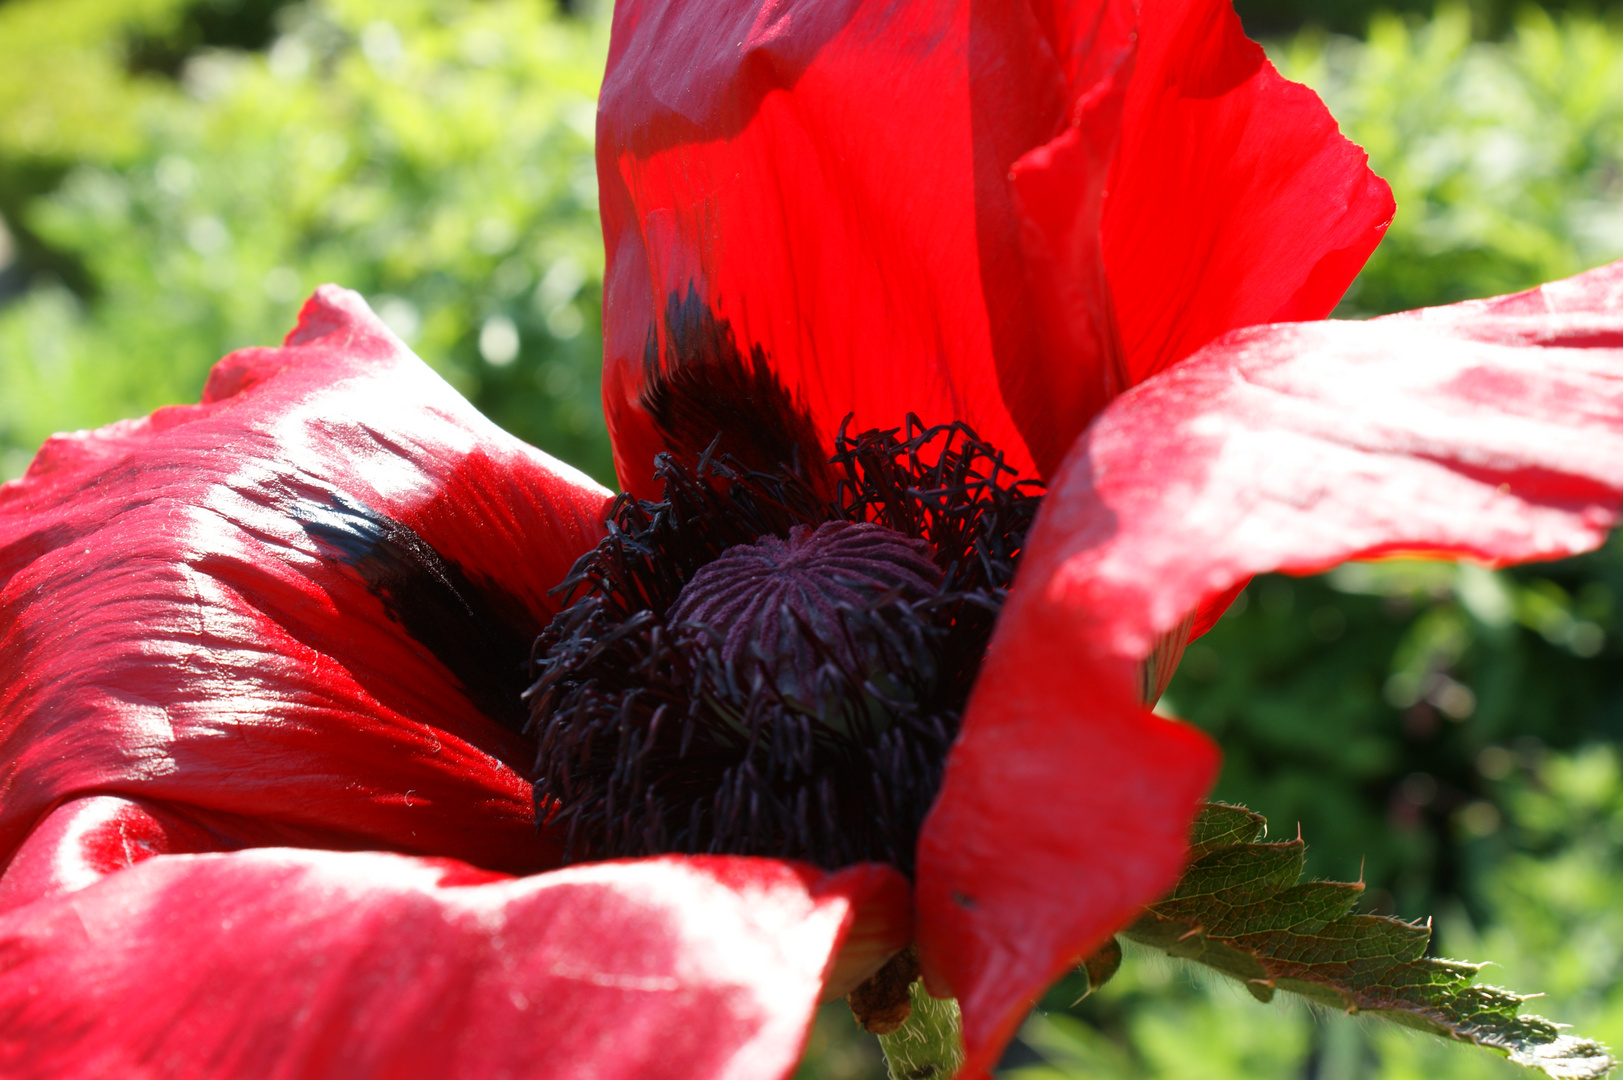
1240	908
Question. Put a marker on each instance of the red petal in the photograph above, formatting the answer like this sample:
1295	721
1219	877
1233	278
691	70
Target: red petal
197	608
319	964
1214	608
886	260
1059	191
1491	430
84	840
1580	312
1234	200
1065	809
842	208
1089	38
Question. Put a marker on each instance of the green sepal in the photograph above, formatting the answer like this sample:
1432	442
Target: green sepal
930	1045
1240	908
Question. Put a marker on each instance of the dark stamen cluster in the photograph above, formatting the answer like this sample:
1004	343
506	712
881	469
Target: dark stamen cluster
820	733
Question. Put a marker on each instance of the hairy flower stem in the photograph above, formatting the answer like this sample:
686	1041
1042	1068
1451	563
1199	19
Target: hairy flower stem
930	1046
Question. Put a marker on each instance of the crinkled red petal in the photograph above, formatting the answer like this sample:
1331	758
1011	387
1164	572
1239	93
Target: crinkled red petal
1034	220
1078	364
84	839
1491	431
830	180
1088	38
1234	200
1065	809
314	964
251	606
1214	608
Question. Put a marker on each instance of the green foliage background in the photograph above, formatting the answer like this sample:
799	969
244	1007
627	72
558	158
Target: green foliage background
176	175
434	156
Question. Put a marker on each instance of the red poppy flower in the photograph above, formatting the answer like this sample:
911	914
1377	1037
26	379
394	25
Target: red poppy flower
264	800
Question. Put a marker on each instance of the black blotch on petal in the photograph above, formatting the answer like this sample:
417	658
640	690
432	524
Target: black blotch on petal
704	385
486	648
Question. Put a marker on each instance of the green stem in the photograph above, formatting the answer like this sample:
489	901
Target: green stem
930	1046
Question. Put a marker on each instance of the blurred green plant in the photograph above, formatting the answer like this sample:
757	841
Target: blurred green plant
1490	19
434	155
1506	159
66	91
1379	705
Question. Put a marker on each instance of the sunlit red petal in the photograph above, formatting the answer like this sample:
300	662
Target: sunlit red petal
1491	431
1212	608
845	210
218	607
1064	811
954	251
1234	200
285	963
1580	312
1077	364
83	840
1089	38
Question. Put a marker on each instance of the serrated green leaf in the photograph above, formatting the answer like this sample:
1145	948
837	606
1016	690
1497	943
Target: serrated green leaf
1241	910
1221	825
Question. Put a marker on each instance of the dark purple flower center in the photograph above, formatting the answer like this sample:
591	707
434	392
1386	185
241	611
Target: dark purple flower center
788	606
751	666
